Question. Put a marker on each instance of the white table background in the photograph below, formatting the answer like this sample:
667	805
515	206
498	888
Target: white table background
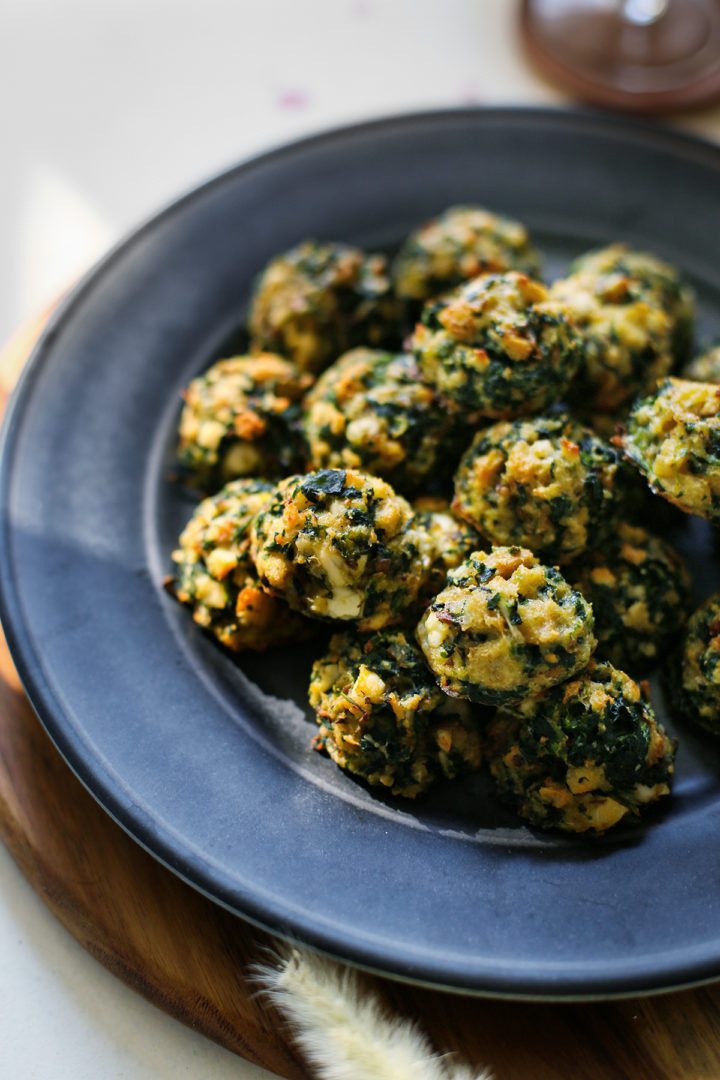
107	111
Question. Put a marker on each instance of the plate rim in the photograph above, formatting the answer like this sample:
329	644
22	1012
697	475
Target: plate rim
29	661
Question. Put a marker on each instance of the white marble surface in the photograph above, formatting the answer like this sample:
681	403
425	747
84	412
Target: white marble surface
107	111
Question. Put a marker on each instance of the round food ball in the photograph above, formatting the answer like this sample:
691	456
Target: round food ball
497	346
383	718
458	245
697	681
339	544
705	367
583	755
505	627
547	483
640	504
242	418
216	576
640	594
318	300
648	277
634	318
371	410
673	436
450	541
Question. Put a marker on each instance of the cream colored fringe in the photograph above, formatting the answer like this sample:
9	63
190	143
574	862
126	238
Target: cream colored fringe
343	1031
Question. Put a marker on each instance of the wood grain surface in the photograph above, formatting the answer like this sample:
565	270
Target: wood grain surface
191	958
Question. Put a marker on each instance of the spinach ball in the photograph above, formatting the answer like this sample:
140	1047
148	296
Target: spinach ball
450	540
242	418
705	367
383	718
640	594
673	437
216	576
341	545
505	627
695	676
458	245
582	756
318	300
371	410
546	483
497	346
648	277
634	317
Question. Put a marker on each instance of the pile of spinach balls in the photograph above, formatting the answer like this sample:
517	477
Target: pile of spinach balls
452	464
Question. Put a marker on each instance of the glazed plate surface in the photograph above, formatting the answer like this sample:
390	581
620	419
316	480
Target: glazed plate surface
205	760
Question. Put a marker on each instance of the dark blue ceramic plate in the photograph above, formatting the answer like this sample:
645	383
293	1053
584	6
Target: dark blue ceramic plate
207	762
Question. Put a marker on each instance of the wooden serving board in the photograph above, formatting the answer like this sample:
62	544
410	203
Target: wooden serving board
191	958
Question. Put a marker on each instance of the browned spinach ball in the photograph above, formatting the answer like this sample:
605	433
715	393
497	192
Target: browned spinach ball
505	627
640	594
215	575
242	418
451	541
341	545
705	367
693	677
318	300
461	243
383	718
634	317
673	436
546	483
497	346
582	756
372	410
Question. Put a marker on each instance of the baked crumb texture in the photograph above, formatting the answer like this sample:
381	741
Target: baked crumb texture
496	615
673	436
341	545
705	367
382	716
547	483
582	756
498	346
460	244
505	627
693	677
242	418
372	410
635	319
216	577
640	593
316	301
